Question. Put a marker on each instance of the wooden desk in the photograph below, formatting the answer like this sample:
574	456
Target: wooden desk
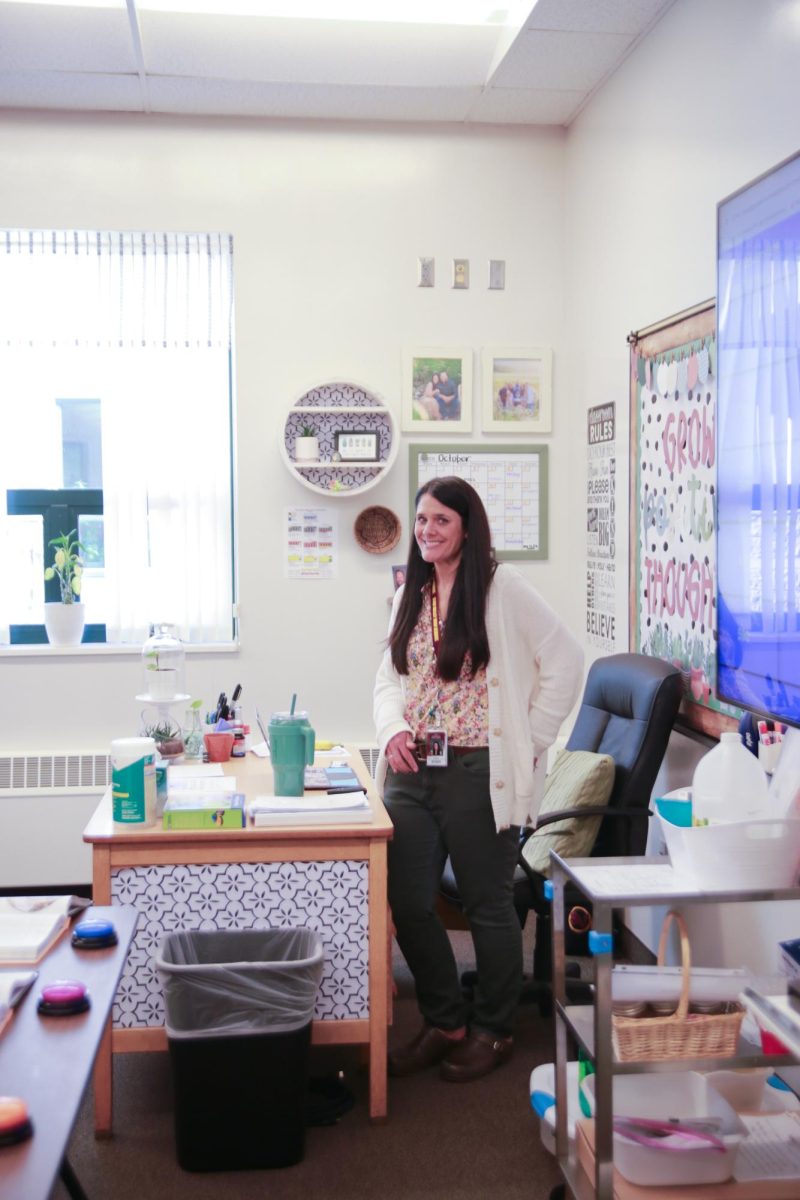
331	878
46	1060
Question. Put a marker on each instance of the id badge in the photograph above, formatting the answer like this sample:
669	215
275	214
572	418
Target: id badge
435	748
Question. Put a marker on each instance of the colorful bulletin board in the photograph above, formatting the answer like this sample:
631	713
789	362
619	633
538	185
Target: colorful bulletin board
511	481
673	476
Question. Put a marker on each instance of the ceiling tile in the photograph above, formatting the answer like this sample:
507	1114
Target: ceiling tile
233	97
525	106
327	52
597	16
67	90
569	61
50	38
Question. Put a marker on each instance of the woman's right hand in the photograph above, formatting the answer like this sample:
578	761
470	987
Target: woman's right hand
400	753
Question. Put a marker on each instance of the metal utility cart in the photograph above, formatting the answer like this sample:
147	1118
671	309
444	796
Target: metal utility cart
609	884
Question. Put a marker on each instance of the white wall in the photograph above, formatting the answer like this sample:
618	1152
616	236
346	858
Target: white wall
605	230
328	221
707	101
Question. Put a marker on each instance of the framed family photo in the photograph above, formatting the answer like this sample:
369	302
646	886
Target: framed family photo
437	391
517	394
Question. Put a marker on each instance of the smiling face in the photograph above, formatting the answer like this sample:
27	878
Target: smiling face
439	532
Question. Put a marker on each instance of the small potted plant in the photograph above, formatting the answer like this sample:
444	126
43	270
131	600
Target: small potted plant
64	618
306	445
167	737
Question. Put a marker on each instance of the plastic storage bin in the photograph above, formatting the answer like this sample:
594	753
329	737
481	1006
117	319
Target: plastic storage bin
239	1005
543	1101
679	1097
744	854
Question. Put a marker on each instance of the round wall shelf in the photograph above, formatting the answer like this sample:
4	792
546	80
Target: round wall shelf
357	437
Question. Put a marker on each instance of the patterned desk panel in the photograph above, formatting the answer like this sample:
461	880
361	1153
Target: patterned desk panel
329	897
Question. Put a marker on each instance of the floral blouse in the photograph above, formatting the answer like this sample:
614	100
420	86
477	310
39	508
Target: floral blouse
459	706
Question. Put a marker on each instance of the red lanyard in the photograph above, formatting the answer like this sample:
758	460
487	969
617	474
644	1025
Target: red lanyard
436	627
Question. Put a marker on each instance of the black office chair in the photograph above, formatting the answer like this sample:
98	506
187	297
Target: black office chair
628	710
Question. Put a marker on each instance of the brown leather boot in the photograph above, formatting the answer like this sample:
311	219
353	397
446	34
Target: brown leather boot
475	1056
425	1049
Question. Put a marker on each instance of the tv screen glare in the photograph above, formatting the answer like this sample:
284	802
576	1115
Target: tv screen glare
758	445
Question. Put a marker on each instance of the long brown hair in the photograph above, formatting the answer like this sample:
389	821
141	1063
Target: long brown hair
465	629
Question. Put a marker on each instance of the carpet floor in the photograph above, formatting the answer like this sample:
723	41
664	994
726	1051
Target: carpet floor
476	1141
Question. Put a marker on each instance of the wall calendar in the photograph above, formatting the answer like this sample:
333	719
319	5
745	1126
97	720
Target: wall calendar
511	481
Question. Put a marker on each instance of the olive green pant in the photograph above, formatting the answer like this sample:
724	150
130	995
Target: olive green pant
441	811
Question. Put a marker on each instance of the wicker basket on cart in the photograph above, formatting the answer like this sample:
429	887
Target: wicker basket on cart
682	1034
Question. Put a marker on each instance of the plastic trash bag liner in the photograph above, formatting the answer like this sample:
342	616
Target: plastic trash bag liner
221	982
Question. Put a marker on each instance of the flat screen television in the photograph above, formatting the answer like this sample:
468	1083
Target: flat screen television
758	445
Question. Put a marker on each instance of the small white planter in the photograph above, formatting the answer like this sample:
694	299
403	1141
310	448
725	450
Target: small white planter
163	684
64	623
306	449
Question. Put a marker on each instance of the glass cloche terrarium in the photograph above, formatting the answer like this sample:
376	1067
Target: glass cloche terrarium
163	659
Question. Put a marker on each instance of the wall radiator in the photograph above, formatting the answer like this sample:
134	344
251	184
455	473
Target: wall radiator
46	800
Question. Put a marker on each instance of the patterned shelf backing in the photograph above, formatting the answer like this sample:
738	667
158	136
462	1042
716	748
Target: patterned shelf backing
330	897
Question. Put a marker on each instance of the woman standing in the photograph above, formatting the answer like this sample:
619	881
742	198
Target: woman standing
480	669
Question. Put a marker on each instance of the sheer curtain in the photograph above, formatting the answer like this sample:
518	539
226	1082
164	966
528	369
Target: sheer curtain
760	314
154	311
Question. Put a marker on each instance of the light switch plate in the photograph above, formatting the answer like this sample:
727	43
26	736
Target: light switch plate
497	274
460	272
426	272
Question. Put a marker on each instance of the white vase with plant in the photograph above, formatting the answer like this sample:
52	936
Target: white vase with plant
306	445
64	619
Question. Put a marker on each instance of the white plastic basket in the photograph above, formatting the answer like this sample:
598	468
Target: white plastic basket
543	1101
677	1097
741	854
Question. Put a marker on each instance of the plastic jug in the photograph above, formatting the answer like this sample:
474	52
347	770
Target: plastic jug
291	748
729	785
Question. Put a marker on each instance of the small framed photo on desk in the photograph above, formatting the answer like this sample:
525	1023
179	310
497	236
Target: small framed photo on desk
357	445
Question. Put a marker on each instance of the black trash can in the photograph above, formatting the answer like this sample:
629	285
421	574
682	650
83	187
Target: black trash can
239	1005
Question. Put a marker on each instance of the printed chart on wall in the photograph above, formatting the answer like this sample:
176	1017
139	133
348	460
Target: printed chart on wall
311	544
601	526
511	481
673	506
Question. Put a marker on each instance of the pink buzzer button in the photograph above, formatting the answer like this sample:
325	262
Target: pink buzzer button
63	998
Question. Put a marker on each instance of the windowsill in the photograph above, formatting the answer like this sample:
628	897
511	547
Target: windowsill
104	650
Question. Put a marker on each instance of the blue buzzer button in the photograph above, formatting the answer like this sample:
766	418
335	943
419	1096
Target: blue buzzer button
15	1124
63	998
94	933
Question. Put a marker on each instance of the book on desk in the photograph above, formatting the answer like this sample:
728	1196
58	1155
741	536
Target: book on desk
30	924
350	806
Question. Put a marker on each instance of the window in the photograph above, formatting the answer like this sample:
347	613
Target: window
116	357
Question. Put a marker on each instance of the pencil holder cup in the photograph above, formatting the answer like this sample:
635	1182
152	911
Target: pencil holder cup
218	745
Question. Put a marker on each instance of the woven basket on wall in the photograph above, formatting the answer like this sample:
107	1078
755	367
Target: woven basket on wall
682	1034
377	529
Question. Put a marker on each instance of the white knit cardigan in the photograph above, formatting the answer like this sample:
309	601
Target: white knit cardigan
533	678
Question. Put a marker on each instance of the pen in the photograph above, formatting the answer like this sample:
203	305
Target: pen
237	691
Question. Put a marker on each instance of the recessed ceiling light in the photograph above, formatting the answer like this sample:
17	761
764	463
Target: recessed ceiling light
413	12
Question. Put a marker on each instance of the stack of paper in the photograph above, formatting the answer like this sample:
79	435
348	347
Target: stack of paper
343	808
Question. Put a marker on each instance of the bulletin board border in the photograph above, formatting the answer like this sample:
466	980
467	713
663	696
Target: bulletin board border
416	451
689	325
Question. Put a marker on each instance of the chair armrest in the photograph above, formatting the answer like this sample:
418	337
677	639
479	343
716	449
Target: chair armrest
592	810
